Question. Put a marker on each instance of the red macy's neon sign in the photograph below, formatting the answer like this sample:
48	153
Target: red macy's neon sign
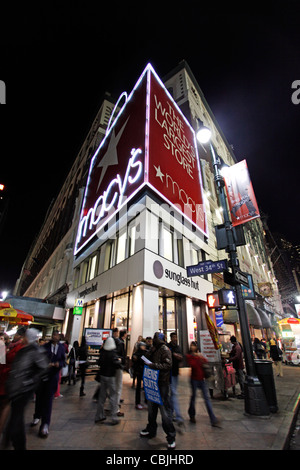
149	143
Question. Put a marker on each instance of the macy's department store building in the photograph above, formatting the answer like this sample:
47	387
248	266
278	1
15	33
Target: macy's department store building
142	222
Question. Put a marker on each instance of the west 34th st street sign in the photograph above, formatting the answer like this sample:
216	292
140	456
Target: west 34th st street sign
207	267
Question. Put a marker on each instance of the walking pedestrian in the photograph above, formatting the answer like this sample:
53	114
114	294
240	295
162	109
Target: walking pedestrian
276	356
72	357
12	348
109	363
83	363
236	357
138	368
161	359
258	348
45	392
263	342
196	360
176	359
28	367
119	338
135	348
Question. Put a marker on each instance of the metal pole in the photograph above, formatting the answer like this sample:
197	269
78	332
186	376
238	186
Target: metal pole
255	400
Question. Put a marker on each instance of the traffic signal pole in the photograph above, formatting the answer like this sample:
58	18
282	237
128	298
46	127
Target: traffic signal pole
255	400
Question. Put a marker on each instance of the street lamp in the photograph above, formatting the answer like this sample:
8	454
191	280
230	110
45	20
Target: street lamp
255	400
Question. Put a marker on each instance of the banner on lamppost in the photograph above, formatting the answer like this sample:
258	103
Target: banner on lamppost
241	198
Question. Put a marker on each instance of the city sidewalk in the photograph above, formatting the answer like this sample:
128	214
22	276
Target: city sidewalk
73	428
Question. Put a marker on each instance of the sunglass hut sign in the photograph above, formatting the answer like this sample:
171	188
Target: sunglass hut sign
149	143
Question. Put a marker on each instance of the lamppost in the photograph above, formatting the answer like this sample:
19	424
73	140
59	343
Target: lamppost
255	400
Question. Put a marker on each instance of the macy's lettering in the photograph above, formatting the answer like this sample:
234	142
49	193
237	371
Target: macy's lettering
112	197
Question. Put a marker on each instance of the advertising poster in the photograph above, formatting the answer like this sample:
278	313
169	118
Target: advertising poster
174	169
96	336
241	198
150	383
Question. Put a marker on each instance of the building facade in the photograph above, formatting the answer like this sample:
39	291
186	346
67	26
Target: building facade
127	267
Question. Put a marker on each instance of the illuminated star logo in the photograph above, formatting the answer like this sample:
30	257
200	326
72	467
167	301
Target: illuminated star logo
110	158
159	173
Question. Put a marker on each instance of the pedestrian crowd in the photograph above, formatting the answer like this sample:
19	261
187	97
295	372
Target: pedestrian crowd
32	369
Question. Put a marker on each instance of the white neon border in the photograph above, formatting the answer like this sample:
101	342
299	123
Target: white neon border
148	70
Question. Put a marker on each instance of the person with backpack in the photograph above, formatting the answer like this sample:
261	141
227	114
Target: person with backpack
259	348
109	363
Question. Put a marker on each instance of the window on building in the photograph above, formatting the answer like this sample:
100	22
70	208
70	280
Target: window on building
194	255
131	240
93	266
109	255
166	243
180	252
121	250
84	271
76	277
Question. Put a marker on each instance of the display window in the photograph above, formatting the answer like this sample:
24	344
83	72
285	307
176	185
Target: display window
167	318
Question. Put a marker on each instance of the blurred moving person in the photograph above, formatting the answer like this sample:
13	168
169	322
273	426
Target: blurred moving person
28	368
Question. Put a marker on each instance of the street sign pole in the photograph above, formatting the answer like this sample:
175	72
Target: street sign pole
255	399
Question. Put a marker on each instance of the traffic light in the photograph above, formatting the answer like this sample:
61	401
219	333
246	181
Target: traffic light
213	300
220	298
227	297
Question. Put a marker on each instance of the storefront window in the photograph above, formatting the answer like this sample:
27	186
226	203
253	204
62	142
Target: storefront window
167	321
90	318
120	312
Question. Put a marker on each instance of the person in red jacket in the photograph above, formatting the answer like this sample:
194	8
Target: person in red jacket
195	361
11	351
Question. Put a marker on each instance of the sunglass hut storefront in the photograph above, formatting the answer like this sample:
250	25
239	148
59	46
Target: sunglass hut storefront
142	222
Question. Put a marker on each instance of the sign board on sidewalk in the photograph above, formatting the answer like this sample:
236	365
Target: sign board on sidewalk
150	383
207	347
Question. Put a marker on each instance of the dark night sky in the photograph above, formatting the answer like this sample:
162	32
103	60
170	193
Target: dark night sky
58	59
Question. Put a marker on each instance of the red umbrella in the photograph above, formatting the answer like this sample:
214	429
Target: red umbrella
4	305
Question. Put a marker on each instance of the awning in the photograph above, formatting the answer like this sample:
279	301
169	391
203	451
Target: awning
254	319
37	308
231	316
253	316
265	320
